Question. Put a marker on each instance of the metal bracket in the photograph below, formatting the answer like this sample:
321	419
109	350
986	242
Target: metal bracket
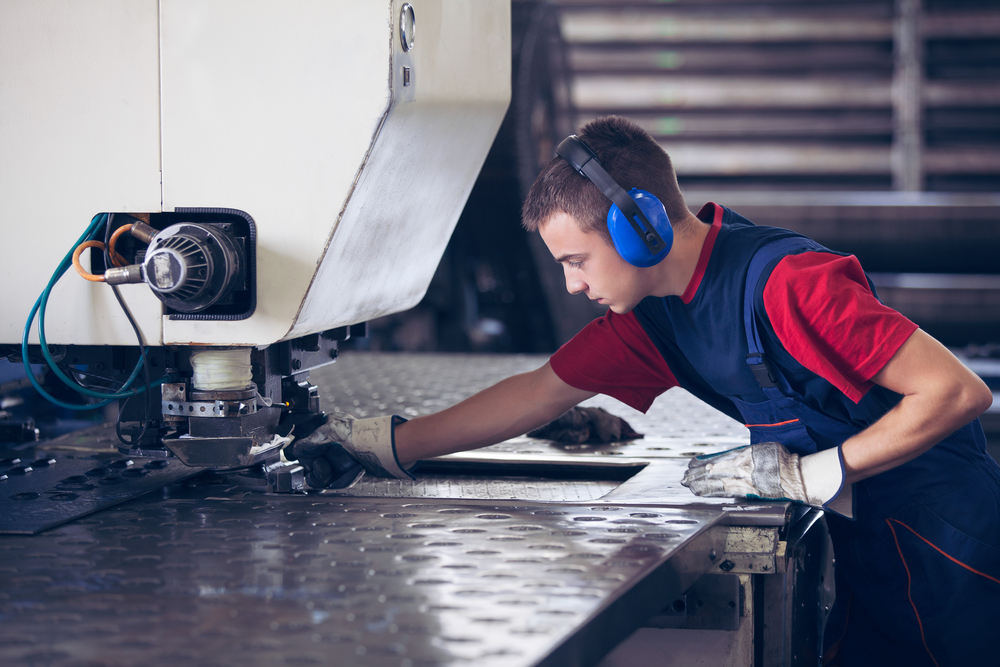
752	550
714	602
226	452
207	409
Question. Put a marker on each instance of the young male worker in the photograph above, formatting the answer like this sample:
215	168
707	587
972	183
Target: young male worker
877	422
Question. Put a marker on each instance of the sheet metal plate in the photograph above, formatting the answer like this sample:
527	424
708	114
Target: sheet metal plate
677	427
208	577
410	385
461	487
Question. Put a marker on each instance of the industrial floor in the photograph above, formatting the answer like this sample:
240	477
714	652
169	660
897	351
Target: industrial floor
525	553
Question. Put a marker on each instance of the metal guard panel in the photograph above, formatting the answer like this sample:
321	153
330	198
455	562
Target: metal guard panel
417	177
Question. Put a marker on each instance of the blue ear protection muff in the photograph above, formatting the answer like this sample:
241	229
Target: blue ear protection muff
637	220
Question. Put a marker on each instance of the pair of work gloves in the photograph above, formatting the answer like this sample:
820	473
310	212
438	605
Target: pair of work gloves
342	448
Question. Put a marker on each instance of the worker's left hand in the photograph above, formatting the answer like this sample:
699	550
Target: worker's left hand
342	448
768	471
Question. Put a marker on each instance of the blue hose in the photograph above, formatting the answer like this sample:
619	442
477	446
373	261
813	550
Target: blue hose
39	308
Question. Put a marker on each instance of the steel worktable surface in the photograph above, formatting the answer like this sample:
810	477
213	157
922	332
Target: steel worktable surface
523	553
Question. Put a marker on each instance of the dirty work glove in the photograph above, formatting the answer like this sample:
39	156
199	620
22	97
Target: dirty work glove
342	448
586	425
768	471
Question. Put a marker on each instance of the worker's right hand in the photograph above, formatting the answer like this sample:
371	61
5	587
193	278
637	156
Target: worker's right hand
342	448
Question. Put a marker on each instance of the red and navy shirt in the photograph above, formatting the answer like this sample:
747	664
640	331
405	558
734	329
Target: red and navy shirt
824	328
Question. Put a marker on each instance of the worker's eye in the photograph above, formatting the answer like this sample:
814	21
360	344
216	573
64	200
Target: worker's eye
575	265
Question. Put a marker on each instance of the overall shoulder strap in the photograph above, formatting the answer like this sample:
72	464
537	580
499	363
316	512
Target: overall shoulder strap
762	258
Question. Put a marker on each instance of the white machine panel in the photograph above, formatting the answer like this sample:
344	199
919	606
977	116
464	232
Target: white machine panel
295	113
79	134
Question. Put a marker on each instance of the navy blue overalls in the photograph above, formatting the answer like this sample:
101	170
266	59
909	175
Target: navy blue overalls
918	570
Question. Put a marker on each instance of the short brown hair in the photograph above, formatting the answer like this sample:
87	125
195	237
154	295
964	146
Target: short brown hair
630	156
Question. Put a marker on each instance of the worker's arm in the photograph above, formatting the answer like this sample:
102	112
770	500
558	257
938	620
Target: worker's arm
509	408
940	395
336	453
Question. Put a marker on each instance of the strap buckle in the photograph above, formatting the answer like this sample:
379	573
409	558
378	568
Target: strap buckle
762	371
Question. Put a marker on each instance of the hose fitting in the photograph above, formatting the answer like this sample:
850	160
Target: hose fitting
122	275
143	232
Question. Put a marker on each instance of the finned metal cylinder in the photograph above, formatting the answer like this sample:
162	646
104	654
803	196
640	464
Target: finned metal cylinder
221	370
191	266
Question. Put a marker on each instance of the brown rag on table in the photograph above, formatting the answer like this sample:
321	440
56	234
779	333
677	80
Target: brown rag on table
586	425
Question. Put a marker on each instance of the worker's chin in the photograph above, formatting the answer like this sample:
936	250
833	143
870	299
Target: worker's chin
621	309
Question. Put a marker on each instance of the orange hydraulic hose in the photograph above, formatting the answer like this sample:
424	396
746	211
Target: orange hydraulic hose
117	259
76	260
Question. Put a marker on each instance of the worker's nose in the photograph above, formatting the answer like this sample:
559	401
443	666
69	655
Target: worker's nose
575	285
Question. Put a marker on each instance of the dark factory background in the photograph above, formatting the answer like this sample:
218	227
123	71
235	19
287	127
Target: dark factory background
871	125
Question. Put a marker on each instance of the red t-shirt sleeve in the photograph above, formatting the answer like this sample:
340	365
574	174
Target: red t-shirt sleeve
614	355
826	316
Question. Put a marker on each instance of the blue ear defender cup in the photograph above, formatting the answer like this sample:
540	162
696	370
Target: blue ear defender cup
651	235
628	243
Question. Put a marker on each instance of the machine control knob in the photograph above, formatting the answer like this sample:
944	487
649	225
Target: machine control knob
191	266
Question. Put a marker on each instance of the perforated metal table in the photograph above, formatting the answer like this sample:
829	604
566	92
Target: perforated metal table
523	567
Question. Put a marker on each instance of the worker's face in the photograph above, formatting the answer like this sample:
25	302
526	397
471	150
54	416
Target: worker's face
592	265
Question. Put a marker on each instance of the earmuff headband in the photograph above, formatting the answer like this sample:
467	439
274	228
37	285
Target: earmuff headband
581	158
